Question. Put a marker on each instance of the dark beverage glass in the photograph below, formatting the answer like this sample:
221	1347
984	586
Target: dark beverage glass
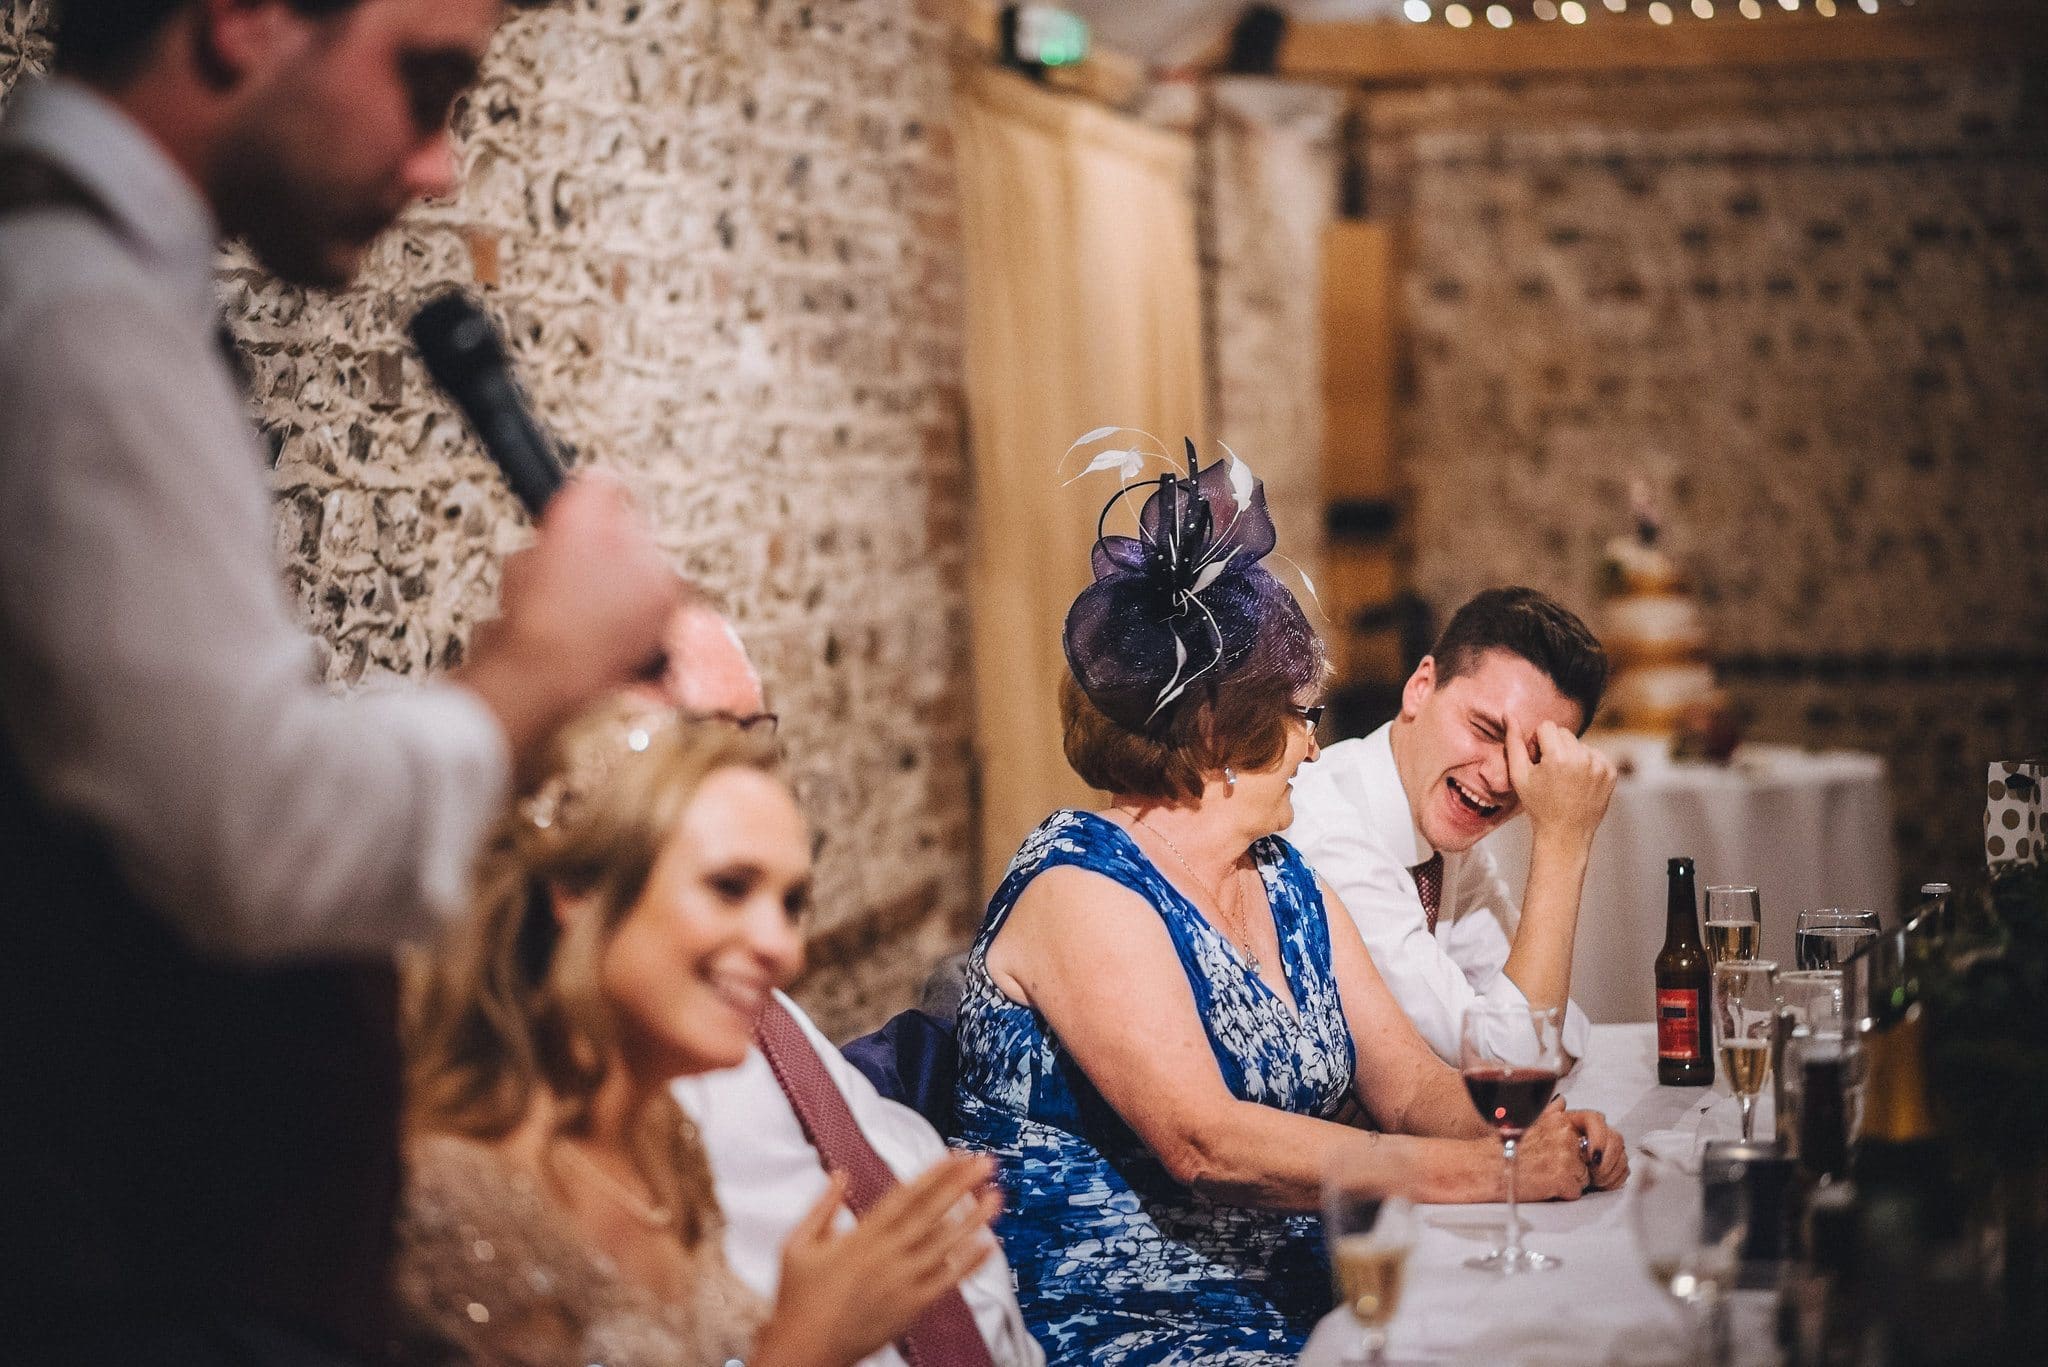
1511	1058
1510	1099
1823	1109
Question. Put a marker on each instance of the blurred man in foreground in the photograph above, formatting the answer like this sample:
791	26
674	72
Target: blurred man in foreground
207	858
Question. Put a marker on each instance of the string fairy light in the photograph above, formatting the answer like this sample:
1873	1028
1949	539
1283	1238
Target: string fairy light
1502	14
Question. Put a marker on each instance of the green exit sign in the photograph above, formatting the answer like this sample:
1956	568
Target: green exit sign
1046	36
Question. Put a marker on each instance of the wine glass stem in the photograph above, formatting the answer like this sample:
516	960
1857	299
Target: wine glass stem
1748	1105
1512	1246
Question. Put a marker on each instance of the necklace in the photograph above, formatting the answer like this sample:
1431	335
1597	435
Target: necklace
1235	933
660	1217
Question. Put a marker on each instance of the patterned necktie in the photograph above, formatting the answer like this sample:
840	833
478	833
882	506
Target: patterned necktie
1429	881
945	1335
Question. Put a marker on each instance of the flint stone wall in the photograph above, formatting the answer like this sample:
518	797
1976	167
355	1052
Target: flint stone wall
1269	155
724	237
1812	308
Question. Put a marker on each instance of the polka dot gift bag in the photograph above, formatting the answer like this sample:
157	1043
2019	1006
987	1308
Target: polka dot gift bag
2016	814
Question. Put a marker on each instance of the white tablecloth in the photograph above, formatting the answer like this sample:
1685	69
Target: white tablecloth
1807	829
1600	1306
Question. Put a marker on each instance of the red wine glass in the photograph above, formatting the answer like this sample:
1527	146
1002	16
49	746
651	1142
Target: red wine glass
1512	1058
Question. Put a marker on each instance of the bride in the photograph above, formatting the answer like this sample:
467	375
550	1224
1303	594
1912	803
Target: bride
631	919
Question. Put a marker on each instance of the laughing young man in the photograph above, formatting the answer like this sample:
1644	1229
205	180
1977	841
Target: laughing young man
1489	728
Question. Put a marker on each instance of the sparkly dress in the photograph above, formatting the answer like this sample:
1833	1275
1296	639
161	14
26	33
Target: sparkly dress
1117	1263
489	1264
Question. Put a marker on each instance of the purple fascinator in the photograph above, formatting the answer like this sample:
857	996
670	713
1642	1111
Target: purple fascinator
1186	601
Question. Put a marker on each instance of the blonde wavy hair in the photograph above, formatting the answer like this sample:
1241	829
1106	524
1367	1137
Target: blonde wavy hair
510	1010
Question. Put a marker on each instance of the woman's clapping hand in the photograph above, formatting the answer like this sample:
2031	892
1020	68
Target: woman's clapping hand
846	1295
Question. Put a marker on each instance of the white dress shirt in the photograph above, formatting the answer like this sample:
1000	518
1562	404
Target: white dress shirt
768	1175
153	680
1353	825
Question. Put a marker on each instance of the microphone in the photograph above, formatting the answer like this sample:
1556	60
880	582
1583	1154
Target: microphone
465	354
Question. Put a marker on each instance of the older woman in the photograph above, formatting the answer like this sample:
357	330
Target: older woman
1166	1012
632	918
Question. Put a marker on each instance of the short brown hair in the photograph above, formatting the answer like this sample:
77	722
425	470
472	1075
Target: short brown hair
1236	724
1535	627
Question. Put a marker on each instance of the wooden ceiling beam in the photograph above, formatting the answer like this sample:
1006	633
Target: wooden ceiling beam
1397	53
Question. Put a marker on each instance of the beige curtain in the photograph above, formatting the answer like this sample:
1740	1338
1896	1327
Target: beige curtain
1083	309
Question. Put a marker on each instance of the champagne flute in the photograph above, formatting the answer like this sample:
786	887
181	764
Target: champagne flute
1370	1227
1827	937
1511	1057
1735	922
1745	1005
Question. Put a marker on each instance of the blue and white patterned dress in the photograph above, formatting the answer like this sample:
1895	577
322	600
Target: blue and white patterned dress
1117	1263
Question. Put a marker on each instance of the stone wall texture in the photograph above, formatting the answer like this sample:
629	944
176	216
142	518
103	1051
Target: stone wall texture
1269	153
1812	309
724	237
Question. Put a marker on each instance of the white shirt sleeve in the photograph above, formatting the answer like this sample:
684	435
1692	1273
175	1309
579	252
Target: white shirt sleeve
1477	934
155	685
768	1175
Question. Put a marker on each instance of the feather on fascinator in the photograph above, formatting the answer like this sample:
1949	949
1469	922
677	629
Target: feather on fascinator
1185	601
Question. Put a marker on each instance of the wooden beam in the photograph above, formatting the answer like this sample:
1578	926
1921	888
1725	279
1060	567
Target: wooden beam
1397	53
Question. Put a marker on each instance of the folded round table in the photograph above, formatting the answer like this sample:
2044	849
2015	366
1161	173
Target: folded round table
1808	829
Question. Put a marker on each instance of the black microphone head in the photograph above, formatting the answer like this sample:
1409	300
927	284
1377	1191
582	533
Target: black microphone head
456	339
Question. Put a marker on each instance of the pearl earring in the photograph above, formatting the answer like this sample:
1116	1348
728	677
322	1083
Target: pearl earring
1230	778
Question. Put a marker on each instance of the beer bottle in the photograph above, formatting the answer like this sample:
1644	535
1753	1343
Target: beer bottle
1685	1045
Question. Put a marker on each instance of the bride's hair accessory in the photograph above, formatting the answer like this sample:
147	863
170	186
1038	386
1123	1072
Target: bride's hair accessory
1185	601
585	767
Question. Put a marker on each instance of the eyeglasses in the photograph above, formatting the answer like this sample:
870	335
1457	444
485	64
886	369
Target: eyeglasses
764	722
1312	715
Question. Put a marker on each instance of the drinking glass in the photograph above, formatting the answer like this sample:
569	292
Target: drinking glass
1693	1264
1826	938
1814	996
1512	1058
1745	1003
1370	1226
1735	923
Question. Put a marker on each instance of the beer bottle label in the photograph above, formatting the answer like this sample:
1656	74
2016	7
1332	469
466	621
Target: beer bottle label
1678	1023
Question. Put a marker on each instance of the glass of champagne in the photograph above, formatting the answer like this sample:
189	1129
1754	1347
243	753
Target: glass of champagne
1511	1058
1370	1227
1694	1265
1826	938
1745	1005
1735	923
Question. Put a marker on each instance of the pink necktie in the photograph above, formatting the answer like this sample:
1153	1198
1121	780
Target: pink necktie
1429	881
945	1335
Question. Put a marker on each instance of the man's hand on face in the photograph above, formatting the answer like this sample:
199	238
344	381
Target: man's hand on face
1562	782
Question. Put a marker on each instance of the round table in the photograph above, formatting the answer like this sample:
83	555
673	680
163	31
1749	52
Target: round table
1808	829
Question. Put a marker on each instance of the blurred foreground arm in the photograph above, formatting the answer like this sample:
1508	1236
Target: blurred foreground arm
155	686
